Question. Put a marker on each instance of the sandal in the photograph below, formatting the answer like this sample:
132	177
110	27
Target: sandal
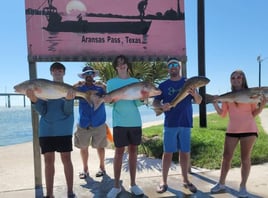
83	175
191	187
162	188
100	173
71	195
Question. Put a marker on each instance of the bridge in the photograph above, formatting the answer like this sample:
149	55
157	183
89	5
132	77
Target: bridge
8	95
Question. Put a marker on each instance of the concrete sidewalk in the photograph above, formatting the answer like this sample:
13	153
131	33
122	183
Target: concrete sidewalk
17	176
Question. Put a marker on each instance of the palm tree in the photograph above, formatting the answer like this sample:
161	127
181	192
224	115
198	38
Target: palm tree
150	71
106	70
145	71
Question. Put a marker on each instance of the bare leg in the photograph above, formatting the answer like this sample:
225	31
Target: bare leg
184	162
84	156
118	165
166	162
49	159
246	146
68	170
101	153
229	147
132	151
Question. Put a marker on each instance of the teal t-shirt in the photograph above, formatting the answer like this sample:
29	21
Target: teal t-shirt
125	112
57	117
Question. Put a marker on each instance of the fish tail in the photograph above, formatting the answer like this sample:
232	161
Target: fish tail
94	99
209	98
109	134
97	101
158	111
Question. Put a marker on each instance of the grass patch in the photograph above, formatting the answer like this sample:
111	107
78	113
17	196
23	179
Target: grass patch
207	143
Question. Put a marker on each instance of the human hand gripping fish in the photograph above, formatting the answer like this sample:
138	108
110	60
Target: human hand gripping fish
46	89
133	91
197	97
250	95
70	95
192	90
189	87
30	94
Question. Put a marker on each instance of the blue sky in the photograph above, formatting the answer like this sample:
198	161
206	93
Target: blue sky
236	32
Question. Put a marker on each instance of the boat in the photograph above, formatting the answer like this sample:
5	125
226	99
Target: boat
134	27
55	24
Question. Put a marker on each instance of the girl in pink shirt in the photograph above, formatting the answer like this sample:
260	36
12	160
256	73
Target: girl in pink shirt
241	128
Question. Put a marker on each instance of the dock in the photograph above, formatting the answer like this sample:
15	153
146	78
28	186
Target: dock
8	95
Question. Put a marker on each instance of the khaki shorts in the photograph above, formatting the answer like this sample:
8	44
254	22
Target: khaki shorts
94	136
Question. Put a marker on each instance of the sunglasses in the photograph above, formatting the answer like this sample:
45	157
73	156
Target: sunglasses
173	65
236	77
89	73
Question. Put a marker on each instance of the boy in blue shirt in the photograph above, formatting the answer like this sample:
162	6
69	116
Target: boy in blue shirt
55	131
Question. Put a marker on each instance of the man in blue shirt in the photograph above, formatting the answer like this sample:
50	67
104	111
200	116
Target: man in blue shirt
177	124
91	127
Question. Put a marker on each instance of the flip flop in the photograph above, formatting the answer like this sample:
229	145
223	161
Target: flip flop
100	173
162	188
191	187
83	175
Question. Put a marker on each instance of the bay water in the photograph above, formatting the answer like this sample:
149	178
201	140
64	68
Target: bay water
16	125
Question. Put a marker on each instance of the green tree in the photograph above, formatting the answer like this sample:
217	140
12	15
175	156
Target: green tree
106	70
145	71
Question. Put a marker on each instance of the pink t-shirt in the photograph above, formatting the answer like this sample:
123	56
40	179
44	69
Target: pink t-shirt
241	119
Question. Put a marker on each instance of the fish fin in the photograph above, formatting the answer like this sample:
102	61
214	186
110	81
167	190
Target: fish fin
148	102
255	96
37	90
145	101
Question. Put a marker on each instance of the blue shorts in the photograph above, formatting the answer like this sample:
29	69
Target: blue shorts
176	139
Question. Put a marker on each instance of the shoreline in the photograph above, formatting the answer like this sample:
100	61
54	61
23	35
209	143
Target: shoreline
22	131
263	116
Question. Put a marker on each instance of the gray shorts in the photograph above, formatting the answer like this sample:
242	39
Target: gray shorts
94	136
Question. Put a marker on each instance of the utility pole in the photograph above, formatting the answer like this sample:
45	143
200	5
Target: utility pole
259	59
201	60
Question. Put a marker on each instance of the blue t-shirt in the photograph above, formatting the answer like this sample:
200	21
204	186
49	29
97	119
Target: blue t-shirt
57	117
125	112
181	115
87	115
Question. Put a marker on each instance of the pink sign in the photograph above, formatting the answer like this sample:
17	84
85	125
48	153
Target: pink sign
99	30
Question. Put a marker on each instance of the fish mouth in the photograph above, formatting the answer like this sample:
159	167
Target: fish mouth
16	89
156	92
